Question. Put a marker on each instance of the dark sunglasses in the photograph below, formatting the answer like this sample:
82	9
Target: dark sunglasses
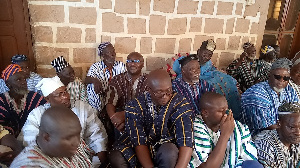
285	78
135	61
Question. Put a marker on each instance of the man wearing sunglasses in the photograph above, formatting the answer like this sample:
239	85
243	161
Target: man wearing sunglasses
123	88
260	102
158	127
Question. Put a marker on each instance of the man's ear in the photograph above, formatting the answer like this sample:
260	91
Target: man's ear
278	124
46	137
204	113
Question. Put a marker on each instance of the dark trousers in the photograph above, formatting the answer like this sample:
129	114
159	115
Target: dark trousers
166	157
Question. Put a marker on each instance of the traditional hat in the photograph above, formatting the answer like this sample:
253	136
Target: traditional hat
10	70
59	64
18	58
102	46
49	85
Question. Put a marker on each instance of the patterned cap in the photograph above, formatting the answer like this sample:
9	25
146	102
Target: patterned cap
209	45
59	64
102	46
247	45
282	63
187	59
49	85
10	70
289	108
266	49
18	58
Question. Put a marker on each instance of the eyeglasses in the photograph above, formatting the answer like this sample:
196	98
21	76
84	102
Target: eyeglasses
161	94
285	78
134	61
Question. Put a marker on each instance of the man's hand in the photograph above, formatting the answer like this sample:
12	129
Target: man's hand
227	124
97	86
118	120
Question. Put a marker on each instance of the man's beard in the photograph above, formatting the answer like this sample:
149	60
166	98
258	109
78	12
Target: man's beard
278	90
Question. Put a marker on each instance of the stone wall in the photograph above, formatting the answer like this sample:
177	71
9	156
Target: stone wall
156	28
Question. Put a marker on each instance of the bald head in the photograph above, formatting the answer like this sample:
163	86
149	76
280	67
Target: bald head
160	86
57	117
59	134
158	77
209	99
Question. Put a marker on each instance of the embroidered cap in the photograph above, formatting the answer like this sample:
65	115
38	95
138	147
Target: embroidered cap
102	46
59	64
18	58
10	70
49	85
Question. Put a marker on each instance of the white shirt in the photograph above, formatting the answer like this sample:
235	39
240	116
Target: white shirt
93	131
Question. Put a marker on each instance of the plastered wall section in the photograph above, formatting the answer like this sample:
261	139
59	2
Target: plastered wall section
158	29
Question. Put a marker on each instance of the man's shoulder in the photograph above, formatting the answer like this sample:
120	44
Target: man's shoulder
261	87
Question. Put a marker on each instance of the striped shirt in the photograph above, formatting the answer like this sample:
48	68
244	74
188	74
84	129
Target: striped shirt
249	73
77	90
239	146
92	132
32	156
13	116
260	104
192	92
122	89
295	87
100	71
148	124
273	153
33	79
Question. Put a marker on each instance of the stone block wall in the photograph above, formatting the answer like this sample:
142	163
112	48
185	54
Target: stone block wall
156	28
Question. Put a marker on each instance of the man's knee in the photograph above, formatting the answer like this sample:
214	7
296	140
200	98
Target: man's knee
251	164
117	160
167	154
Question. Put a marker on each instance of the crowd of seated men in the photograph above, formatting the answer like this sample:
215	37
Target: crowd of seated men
190	115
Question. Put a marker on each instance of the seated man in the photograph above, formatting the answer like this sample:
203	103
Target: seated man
221	82
32	78
66	73
9	147
281	147
247	70
295	74
220	141
58	143
125	87
261	101
157	122
190	86
17	103
93	132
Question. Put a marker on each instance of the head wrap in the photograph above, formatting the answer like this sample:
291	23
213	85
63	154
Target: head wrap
209	45
10	70
49	85
266	49
187	59
282	63
289	108
18	58
247	45
102	46
59	64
